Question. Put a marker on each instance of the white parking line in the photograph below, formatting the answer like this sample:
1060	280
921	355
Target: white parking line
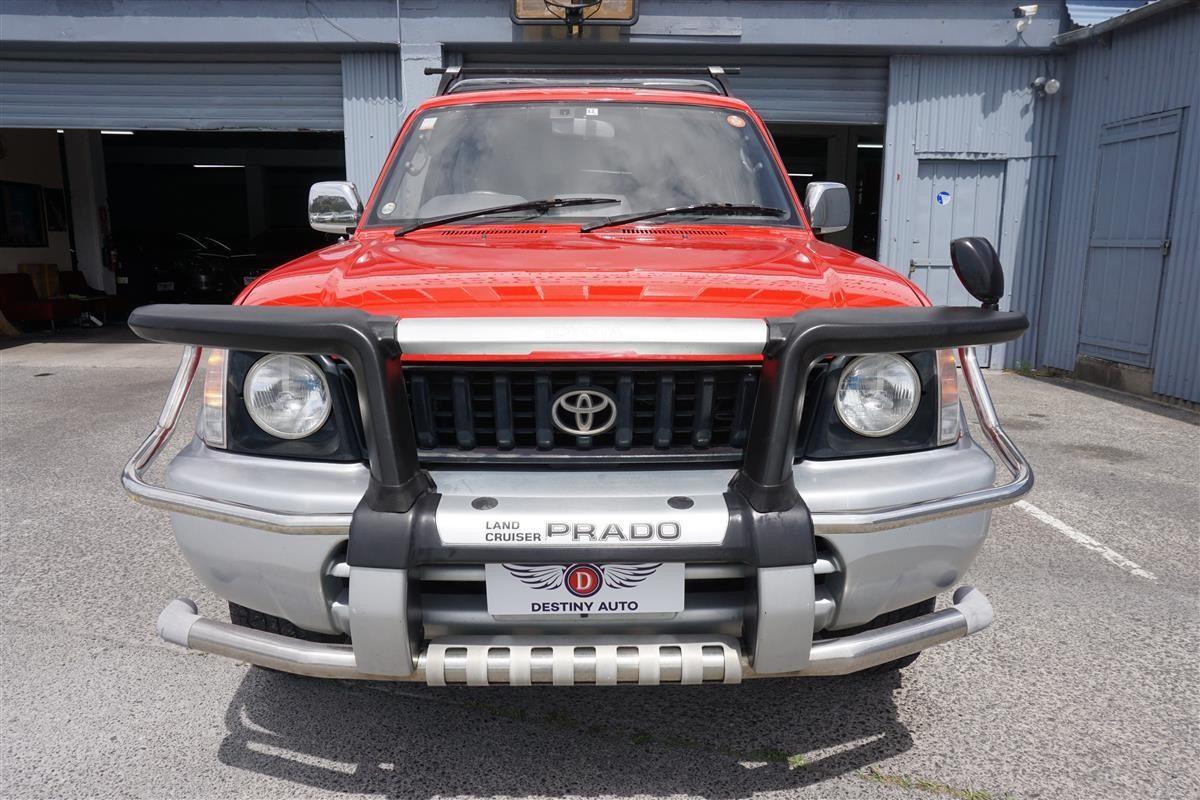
1079	537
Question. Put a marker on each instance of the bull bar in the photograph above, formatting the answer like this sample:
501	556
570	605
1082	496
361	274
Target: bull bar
394	526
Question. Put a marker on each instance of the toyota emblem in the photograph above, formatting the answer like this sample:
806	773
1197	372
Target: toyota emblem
584	412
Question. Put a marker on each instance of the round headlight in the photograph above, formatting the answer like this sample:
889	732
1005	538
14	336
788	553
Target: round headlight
287	396
877	394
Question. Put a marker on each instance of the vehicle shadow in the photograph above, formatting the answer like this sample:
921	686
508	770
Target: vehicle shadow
414	741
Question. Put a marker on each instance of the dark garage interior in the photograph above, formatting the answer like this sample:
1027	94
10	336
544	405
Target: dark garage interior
847	154
196	216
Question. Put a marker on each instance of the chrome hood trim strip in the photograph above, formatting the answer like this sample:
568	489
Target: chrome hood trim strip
525	336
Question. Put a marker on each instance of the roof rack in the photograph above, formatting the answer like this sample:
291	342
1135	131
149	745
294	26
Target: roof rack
460	78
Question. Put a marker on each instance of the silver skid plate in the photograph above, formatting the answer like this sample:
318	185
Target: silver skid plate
602	661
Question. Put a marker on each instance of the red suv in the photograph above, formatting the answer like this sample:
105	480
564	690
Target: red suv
582	398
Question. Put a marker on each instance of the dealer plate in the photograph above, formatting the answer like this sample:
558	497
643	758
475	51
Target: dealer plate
547	589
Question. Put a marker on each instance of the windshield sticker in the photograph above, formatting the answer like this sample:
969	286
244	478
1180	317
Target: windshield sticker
387	208
943	198
736	121
428	123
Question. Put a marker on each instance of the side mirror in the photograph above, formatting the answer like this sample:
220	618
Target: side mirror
827	206
979	269
334	206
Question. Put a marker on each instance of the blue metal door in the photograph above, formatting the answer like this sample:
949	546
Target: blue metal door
954	198
1131	215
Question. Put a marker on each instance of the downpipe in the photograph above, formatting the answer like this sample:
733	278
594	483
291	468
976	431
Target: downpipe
181	624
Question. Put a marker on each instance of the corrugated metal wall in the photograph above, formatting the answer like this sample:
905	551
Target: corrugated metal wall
1142	69
372	111
974	108
812	89
850	90
229	94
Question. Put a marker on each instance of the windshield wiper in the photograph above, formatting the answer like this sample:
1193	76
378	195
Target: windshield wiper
723	209
540	206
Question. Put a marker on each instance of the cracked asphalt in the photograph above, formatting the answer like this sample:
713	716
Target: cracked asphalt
1086	686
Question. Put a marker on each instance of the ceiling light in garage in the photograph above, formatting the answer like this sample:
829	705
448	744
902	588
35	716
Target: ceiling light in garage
800	174
219	166
869	146
117	133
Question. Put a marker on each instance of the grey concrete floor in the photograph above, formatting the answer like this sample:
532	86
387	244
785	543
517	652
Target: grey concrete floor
1086	686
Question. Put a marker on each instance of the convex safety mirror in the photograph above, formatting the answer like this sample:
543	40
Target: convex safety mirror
979	269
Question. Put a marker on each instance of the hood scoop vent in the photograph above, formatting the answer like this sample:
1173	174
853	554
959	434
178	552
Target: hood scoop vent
494	231
657	231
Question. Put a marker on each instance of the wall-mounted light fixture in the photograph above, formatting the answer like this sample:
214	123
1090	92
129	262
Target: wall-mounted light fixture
1044	87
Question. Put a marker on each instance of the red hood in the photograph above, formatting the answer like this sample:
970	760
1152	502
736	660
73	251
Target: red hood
705	271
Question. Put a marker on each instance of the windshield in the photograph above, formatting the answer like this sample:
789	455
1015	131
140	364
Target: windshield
645	156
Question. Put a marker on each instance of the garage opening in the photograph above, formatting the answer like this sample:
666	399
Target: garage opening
196	216
159	178
847	154
152	216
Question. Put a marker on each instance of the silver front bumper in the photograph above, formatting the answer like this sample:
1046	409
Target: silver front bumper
600	660
307	580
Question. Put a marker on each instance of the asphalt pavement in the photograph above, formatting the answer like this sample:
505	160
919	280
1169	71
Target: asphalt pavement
1085	687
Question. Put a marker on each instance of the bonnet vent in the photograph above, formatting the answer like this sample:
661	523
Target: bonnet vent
494	231
656	231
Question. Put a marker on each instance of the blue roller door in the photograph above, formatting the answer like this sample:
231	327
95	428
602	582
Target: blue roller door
147	94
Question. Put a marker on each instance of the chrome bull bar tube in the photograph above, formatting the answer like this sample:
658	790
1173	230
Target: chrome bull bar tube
971	613
603	660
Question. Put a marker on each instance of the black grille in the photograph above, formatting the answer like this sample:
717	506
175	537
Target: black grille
665	413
